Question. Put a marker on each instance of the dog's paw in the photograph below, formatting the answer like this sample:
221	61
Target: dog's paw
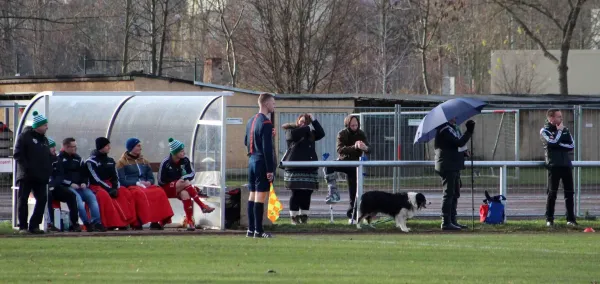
406	230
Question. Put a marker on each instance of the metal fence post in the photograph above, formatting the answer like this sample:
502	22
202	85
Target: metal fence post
503	185
517	141
578	150
360	181
397	141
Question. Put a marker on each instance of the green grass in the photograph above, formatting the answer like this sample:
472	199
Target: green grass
400	258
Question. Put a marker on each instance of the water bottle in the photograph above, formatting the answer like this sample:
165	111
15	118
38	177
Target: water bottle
66	222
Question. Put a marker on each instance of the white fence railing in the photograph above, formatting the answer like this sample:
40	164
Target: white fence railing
502	165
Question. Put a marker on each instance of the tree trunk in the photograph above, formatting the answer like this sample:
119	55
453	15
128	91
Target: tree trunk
424	71
125	62
153	33
563	69
163	39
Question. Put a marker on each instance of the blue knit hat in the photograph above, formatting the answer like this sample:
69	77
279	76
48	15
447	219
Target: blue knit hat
175	146
131	143
51	143
38	120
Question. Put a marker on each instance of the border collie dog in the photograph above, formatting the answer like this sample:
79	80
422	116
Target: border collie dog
400	206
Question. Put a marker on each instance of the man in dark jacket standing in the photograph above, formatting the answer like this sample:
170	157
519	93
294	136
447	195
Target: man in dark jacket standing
351	145
34	166
558	142
449	161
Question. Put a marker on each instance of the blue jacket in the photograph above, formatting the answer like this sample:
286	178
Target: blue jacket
133	169
258	141
170	171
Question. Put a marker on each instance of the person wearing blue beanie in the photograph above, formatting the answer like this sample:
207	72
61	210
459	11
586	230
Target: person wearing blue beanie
131	143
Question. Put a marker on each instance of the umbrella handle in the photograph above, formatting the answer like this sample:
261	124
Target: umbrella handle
472	189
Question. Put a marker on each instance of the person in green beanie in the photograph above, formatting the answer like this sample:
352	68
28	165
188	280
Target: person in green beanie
34	166
175	175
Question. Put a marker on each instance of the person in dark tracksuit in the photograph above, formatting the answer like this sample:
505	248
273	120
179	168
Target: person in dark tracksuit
59	192
258	140
558	142
34	166
449	161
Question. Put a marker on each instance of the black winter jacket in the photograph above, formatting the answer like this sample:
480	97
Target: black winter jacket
102	168
57	177
33	157
557	145
75	169
446	144
170	171
301	143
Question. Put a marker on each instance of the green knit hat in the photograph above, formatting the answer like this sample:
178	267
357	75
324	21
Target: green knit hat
175	146
51	143
38	120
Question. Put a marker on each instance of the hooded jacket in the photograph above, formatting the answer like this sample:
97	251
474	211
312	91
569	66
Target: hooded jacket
132	169
345	144
301	143
557	145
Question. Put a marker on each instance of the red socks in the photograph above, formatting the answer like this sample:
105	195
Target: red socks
194	195
188	207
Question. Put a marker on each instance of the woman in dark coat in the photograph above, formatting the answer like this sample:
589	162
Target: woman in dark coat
301	138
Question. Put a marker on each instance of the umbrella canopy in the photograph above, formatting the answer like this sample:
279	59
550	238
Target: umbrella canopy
460	108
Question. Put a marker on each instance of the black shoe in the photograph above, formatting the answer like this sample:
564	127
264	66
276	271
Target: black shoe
572	223
156	226
75	228
136	228
99	227
456	224
36	231
450	227
88	227
303	219
51	228
249	234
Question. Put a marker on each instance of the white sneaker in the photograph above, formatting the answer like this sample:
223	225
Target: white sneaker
351	222
573	224
549	224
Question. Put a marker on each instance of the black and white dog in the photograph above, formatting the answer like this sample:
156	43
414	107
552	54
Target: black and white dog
400	206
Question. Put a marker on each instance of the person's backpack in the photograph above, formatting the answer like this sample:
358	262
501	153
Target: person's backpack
492	211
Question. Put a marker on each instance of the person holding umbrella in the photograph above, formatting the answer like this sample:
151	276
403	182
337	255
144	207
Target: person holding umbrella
449	161
442	124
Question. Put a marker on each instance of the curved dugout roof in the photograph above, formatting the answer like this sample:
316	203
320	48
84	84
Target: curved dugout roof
152	117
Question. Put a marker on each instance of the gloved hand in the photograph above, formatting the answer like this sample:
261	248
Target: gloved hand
470	126
113	193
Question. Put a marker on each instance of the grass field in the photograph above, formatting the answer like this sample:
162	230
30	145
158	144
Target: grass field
531	255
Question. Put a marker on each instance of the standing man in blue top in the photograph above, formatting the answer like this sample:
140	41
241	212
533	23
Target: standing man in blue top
259	135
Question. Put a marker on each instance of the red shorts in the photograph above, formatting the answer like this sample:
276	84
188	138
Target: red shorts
170	190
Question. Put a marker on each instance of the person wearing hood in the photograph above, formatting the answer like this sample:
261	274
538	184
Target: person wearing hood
149	201
113	200
351	145
450	152
34	167
57	191
175	176
301	137
558	142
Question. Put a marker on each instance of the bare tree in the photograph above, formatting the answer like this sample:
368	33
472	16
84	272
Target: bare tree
128	21
229	20
297	46
427	17
562	16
